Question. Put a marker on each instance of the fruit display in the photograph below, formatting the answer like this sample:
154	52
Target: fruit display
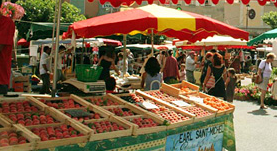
134	98
62	104
186	89
102	101
29	119
104	126
173	117
216	103
144	122
15	107
121	111
199	112
57	132
92	115
8	138
163	96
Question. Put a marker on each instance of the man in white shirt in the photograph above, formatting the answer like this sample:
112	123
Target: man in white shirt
190	67
59	63
44	68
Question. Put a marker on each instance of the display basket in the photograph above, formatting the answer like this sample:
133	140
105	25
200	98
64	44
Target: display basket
88	73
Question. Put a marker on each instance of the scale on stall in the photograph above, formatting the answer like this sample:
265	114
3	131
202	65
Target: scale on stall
88	87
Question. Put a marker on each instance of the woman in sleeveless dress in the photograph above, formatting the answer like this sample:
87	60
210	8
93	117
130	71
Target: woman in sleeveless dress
219	72
152	73
107	61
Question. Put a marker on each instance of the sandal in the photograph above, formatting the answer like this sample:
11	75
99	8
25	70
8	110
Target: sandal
263	107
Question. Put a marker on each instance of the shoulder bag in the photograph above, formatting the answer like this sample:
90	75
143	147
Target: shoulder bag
259	79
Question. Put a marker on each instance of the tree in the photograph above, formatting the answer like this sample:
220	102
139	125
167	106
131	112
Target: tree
43	11
270	19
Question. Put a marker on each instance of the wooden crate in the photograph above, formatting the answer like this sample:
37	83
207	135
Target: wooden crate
175	89
171	107
22	131
26	82
108	96
146	130
65	141
198	95
75	98
103	113
114	134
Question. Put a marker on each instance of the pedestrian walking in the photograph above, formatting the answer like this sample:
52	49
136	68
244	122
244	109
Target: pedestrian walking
230	84
44	70
264	71
190	67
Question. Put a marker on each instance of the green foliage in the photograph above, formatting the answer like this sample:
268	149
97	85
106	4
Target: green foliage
270	19
43	11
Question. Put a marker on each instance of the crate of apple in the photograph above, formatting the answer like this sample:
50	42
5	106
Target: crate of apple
161	95
15	107
121	111
144	122
104	126
102	101
28	119
199	112
8	138
92	115
56	132
62	104
173	117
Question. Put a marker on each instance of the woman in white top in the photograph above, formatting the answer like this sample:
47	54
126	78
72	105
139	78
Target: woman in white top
264	71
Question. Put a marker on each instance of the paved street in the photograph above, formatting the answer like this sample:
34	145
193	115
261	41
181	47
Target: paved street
255	129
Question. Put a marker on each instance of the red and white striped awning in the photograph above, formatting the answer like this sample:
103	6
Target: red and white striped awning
117	3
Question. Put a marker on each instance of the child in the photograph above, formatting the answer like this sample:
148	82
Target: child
120	63
182	72
110	85
230	84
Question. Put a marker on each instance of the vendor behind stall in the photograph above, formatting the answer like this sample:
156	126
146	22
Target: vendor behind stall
120	63
107	61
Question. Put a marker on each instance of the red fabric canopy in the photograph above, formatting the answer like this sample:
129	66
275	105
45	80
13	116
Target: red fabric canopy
174	23
23	42
221	47
117	3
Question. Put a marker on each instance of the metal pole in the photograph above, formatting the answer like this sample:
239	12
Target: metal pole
152	42
54	88
53	32
124	54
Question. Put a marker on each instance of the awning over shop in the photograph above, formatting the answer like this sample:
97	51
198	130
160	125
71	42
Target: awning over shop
117	3
42	30
267	35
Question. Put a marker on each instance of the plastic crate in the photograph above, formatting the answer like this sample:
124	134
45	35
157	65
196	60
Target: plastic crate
88	73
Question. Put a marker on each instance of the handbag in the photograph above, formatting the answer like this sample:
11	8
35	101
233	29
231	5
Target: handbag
211	82
259	79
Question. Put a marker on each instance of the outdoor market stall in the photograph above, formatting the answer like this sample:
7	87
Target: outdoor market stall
176	117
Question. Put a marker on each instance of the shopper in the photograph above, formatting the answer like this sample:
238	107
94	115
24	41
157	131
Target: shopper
264	71
7	29
44	70
130	57
230	84
170	70
161	58
218	70
120	63
182	72
107	61
190	67
207	63
152	73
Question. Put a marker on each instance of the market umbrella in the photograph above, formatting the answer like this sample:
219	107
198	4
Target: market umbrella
23	42
161	20
267	35
167	21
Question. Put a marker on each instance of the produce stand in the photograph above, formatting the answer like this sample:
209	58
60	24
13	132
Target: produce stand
120	122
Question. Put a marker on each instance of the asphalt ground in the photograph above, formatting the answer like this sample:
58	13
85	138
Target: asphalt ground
255	129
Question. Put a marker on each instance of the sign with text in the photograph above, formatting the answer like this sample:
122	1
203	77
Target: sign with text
206	139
